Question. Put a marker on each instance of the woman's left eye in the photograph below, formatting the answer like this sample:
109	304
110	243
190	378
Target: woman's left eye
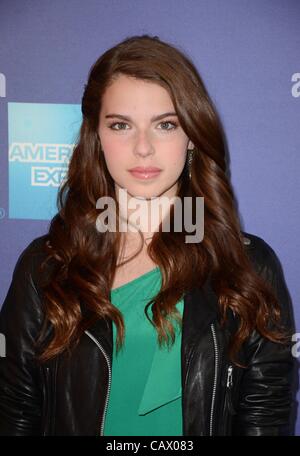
174	125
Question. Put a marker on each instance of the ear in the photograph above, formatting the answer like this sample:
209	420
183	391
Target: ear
190	145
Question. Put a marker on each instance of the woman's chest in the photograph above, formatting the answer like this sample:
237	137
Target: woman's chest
132	270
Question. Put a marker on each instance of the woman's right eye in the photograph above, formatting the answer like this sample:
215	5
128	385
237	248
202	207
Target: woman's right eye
117	123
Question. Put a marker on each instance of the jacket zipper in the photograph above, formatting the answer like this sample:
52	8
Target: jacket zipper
229	384
215	379
47	395
229	377
228	409
109	379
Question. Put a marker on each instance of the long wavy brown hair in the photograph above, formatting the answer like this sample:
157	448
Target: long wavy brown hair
84	261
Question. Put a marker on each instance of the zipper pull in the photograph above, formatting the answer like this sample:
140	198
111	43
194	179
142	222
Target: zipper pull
229	386
229	377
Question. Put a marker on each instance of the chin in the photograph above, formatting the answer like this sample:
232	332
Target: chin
142	191
144	194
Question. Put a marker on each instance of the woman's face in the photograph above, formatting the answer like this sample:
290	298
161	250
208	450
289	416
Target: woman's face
140	139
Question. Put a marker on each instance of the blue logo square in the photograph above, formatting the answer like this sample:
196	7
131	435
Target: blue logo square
41	139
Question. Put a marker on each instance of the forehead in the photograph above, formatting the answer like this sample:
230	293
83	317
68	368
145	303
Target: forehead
129	92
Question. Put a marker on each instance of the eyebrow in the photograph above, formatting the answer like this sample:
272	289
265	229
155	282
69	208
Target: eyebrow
121	116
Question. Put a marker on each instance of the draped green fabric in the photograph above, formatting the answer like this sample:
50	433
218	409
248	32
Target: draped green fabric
145	394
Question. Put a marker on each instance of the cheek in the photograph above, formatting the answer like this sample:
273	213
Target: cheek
175	158
114	154
111	145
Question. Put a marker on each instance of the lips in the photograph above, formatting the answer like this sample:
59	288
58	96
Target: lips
148	172
148	169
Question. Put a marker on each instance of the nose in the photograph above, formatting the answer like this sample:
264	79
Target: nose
143	146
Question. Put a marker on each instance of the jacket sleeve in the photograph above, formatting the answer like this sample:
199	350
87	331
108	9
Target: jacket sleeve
265	397
20	321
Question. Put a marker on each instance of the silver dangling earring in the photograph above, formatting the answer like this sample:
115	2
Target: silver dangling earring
189	161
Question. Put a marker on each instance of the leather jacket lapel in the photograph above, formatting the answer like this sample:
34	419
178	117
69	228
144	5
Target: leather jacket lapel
200	309
102	331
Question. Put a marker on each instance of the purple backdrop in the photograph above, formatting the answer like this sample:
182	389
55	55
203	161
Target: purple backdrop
248	55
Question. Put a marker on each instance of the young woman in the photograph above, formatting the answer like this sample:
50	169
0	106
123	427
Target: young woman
140	332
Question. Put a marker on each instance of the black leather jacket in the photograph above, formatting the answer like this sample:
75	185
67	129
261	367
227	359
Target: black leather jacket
69	396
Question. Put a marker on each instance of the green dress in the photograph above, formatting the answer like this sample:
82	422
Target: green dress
145	393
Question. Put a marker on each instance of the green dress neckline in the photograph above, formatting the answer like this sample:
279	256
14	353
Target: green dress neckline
136	280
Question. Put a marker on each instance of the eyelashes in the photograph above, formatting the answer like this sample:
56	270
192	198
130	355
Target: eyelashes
173	124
